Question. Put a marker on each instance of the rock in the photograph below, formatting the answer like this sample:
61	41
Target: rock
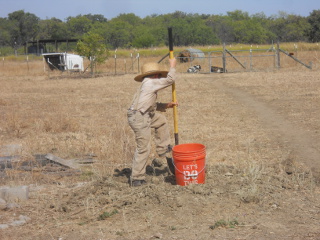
3	204
22	220
155	180
158	235
25	218
17	223
10	150
4	226
288	165
12	205
11	194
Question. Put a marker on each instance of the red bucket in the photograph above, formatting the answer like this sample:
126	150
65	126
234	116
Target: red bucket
189	162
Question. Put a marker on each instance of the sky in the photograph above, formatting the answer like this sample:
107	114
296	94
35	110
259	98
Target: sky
61	9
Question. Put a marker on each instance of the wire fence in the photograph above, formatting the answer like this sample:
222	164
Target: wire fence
221	61
234	61
249	60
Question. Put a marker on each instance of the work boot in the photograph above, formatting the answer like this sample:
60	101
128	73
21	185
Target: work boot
168	156
171	165
157	162
138	183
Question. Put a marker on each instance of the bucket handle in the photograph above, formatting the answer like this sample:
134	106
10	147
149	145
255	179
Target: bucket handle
190	175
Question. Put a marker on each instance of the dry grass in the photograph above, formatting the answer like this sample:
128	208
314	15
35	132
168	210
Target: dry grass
247	178
74	116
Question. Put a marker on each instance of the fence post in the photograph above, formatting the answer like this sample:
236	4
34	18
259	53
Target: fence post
278	55
91	66
138	56
28	62
210	62
38	52
15	49
296	50
44	64
250	59
224	57
115	64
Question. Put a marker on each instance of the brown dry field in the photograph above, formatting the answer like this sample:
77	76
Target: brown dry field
261	130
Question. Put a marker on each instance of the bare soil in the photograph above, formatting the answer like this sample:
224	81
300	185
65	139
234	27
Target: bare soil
261	132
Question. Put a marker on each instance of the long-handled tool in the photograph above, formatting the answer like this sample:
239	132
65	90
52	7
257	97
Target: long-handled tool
174	97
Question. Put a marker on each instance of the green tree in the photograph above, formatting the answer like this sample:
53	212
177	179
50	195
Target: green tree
201	34
249	31
93	47
190	29
79	25
23	27
289	28
118	33
314	21
222	27
238	15
96	18
52	29
130	18
297	28
157	28
264	22
4	32
143	37
246	29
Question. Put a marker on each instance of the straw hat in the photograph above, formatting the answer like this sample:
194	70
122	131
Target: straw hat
150	69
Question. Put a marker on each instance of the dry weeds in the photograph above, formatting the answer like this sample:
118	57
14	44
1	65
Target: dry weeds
256	173
73	118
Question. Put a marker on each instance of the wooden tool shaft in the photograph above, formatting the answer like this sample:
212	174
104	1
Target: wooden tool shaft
174	96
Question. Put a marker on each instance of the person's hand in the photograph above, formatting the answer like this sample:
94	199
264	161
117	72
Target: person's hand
173	62
172	104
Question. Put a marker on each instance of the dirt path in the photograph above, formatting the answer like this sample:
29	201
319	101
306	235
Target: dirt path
299	141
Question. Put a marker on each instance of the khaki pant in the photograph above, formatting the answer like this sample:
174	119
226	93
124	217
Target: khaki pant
142	124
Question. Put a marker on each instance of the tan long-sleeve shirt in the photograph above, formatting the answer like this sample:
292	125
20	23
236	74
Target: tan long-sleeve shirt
146	99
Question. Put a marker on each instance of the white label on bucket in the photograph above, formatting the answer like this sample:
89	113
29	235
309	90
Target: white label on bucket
190	167
190	174
186	182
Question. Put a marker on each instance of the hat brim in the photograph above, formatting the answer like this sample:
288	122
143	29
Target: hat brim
140	77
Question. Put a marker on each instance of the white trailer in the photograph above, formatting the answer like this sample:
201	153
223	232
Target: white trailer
64	61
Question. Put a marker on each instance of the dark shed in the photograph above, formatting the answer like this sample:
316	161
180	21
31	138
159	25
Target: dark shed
189	55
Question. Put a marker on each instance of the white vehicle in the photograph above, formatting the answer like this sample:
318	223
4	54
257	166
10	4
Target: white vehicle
64	61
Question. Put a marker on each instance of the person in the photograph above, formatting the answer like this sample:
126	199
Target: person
143	115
